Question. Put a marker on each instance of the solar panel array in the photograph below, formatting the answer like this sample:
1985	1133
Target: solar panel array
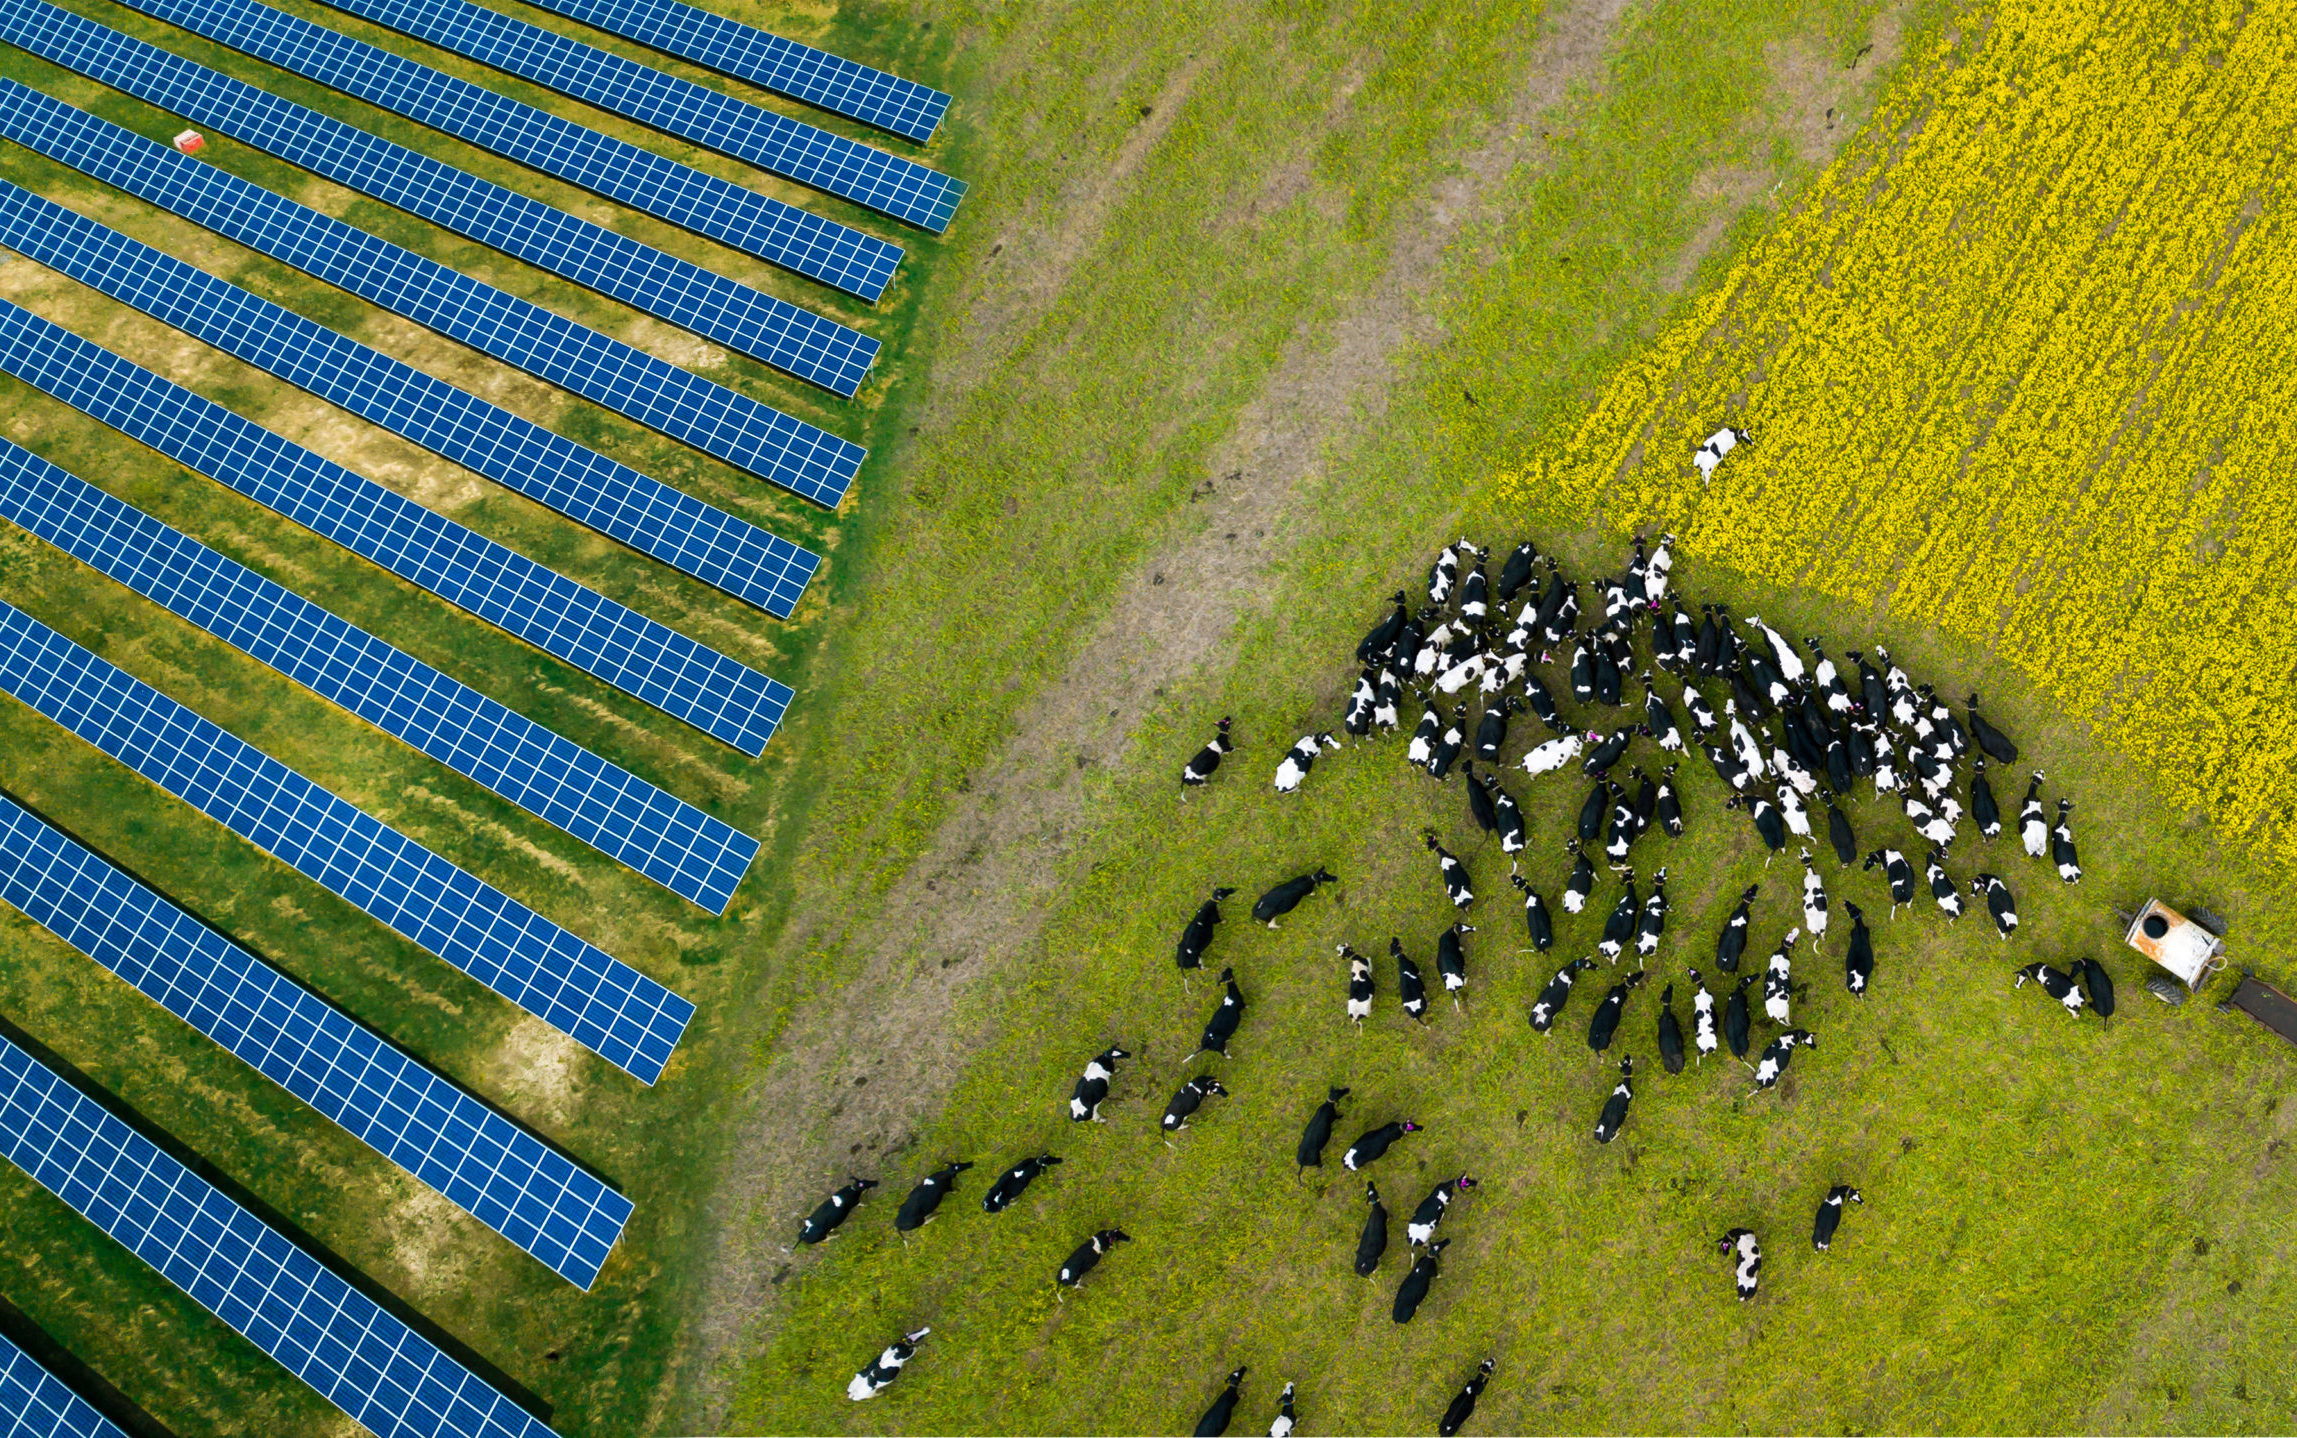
580	626
34	1403
734	214
783	66
739	430
807	345
496	1171
610	1008
696	856
359	1357
580	483
774	143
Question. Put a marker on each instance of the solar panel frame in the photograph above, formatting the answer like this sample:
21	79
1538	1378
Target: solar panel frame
720	209
695	855
890	184
810	346
619	502
563	1215
801	457
786	67
646	660
352	1351
35	1403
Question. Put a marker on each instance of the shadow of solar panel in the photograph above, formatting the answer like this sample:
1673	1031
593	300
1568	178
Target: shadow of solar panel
698	857
356	1354
580	483
641	179
643	659
594	998
774	143
806	345
34	1403
739	430
785	67
490	1167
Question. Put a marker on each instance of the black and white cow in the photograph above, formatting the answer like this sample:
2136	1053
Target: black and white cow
917	1210
1380	642
1014	1182
1515	572
1718	444
1372	1240
1614	1115
1373	1143
1086	1256
1670	1032
1357	717
833	1210
2062	844
1927	822
1188	1098
1387	709
1858	958
1215	1419
885	1367
1943	889
1360	986
1475	590
1652	925
1703	1036
1430	1214
1491	729
1703	719
1738	1022
1900	873
2057	984
1410	986
1605	751
1552	754
1199	770
1768	824
1286	897
1605	1022
1421	752
1450	745
1666	806
1741	1244
1538	923
2100	985
1619	929
1197	937
1542	704
1292	771
1221	1027
1838	831
1286	1420
1451	960
1830	1215
1778	976
1085	1099
1773	1065
1814	902
1732	941
2033	824
1444	574
1992	740
1984	812
1483	809
1659	719
1508	818
1999	902
1558	992
1414	1290
1582	880
1453	872
1318	1132
1793	811
1463	1404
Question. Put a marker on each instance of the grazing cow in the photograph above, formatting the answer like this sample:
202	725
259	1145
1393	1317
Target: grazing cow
1380	642
1387	709
1197	937
1732	942
1404	658
1360	986
1221	1027
1582	670
1414	1289
1558	991
1984	812
2062	845
1670	1032
1451	960
1286	897
1858	959
1738	1023
1942	886
1421	752
1474	669
1874	698
917	1210
1605	1023
834	1210
1422	1229
1927	822
1999	903
1653	924
1085	1100
1792	810
1550	755
1622	811
885	1367
1620	927
1475	591
1768	824
1773	1065
1372	1241
1482	808
1898	871
1838	832
1372	1143
1703	1036
1453	872
1734	774
1409	985
1543	705
1677	641
1566	615
1199	770
1830	680
1814	902
1449	747
1086	1256
1491	729
1718	444
1992	740
1463	1404
1014	1182
1666	806
1659	719
1655	575
1782	655
2033	828
1357	717
1300	759
1444	574
1286	1419
1741	1243
1318	1133
1777	978
1509	818
1599	759
1515	572
1538	924
1582	880
2057	984
1614	1115
2100	985
1188	1098
1830	1215
1703	718
1215	1419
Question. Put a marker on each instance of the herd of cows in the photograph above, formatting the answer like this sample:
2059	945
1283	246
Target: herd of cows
1794	738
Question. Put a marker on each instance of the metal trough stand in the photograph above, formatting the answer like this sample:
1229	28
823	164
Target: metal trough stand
2177	943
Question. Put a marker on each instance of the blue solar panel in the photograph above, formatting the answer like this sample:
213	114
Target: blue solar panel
774	143
496	1171
781	334
641	179
783	66
602	1003
359	1357
629	651
34	1403
708	416
580	483
695	856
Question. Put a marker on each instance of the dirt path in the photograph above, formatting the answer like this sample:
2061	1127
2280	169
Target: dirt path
980	891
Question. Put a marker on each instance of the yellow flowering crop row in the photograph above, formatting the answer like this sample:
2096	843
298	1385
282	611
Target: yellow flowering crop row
2024	364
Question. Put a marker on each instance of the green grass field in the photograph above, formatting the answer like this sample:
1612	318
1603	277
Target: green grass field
1246	309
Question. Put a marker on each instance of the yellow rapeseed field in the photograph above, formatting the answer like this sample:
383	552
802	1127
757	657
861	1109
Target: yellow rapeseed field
2024	365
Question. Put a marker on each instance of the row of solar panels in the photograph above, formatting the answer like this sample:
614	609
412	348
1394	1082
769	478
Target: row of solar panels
356	1354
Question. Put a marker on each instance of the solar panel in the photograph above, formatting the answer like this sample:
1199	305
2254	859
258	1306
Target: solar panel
580	483
629	651
355	1353
602	1003
774	143
641	179
785	67
695	856
708	416
807	345
496	1171
34	1403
